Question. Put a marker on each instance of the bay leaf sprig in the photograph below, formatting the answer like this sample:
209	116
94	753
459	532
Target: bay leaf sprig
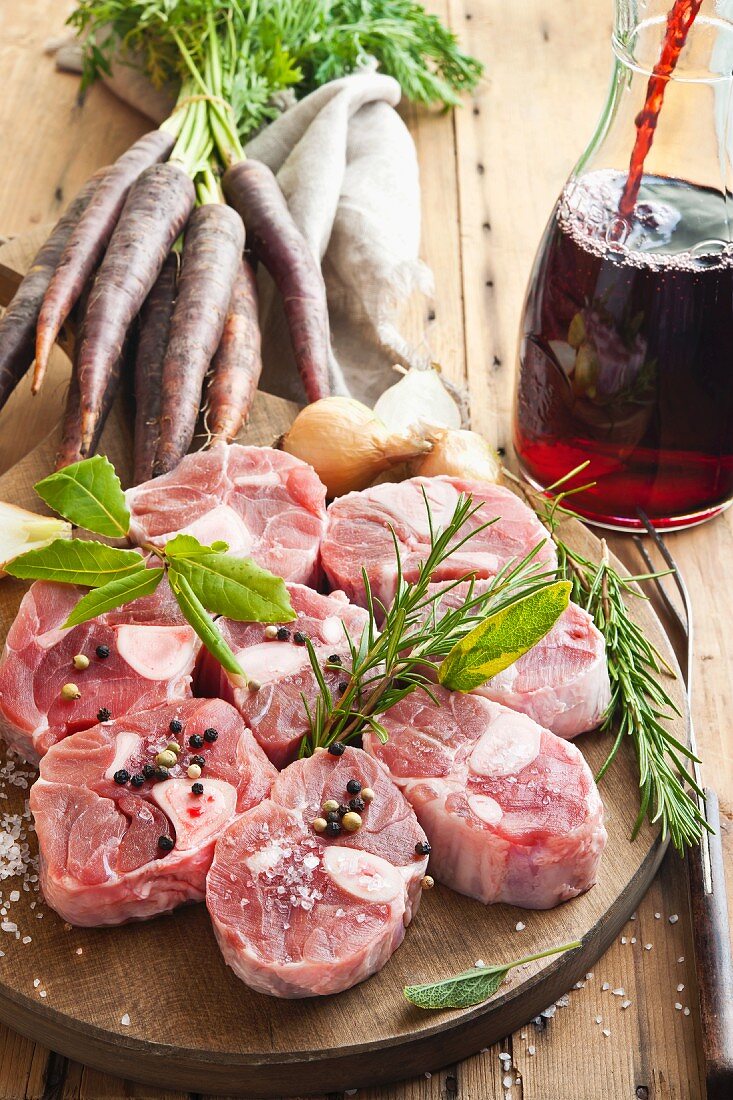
420	630
641	708
474	986
205	580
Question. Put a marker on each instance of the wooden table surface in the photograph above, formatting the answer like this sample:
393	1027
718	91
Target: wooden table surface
490	174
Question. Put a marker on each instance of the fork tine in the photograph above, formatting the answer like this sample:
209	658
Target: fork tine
661	590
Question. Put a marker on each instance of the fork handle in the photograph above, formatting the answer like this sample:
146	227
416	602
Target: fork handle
711	936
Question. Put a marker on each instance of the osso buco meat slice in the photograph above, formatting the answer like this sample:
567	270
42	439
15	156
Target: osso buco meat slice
297	913
360	526
511	811
117	841
562	682
265	504
280	665
140	656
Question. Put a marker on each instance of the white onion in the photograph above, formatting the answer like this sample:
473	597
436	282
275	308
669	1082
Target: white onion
21	531
419	403
459	454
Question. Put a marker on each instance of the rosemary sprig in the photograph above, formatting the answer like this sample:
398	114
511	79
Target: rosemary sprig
417	633
640	707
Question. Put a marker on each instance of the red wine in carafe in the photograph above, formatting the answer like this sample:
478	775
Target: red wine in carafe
626	355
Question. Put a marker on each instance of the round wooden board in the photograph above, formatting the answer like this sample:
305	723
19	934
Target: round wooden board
194	1026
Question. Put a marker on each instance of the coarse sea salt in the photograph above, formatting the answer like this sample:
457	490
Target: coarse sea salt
673	919
125	1021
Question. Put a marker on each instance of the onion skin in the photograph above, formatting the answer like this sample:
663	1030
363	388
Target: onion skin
346	444
459	453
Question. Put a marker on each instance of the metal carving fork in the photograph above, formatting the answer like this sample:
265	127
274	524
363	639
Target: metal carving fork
706	873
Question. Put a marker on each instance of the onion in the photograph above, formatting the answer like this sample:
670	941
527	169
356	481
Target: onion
459	454
347	444
418	403
21	531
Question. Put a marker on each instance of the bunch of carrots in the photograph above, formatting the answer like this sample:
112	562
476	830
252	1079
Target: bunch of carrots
149	263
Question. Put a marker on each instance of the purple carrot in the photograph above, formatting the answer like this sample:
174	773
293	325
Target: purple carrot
18	326
253	191
155	323
87	242
156	211
212	251
238	362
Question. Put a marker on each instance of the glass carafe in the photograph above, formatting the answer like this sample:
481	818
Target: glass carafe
626	341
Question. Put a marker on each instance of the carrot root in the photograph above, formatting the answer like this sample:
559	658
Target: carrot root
212	252
253	191
155	323
87	242
156	211
237	364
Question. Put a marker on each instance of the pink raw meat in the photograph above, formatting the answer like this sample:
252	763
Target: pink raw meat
265	504
562	682
297	914
152	652
511	811
358	534
101	862
275	713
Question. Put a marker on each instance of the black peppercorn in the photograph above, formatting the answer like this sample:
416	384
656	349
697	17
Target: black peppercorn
175	726
102	651
342	687
148	771
334	659
197	788
200	760
166	843
353	786
104	714
336	748
333	815
333	828
422	848
196	741
161	774
299	637
211	735
282	634
137	779
357	805
122	776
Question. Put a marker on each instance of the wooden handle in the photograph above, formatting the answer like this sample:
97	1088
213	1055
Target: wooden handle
711	934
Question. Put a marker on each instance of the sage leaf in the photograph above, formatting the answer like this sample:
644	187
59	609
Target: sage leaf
235	587
88	494
503	637
196	615
76	561
474	986
117	592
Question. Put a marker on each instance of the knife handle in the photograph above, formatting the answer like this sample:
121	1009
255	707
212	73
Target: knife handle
711	936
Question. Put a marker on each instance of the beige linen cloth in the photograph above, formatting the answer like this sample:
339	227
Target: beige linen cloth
348	168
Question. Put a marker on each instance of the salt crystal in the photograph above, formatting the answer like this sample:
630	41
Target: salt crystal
633	939
589	975
647	947
9	926
520	926
350	1092
681	959
680	987
523	1035
15	895
673	919
43	993
625	1004
531	1050
617	992
598	1019
311	862
633	916
657	916
686	1012
36	983
26	939
479	963
504	1057
678	1006
507	1082
428	1075
125	1021
80	950
606	1032
548	1013
606	985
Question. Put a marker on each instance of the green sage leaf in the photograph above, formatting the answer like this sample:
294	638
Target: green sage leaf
503	637
235	587
196	615
76	561
88	494
474	986
120	591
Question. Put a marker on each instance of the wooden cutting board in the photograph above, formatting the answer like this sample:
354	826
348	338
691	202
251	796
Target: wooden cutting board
190	1024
